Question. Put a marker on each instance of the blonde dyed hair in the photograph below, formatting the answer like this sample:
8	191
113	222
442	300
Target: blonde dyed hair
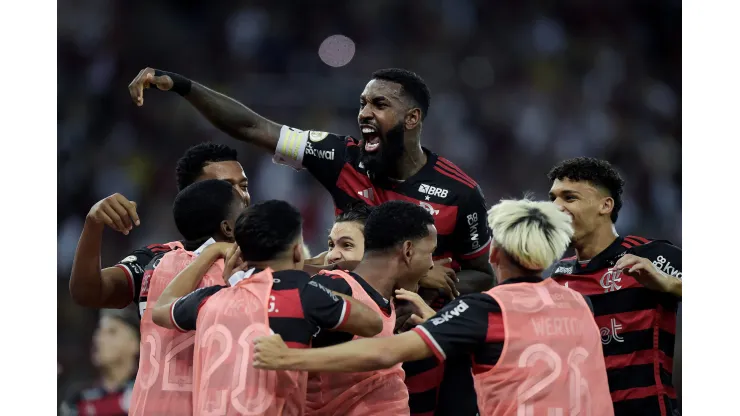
533	233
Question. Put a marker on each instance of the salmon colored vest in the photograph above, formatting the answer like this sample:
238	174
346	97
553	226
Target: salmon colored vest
381	392
552	363
226	383
164	382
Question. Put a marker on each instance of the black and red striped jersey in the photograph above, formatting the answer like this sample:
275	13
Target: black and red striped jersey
454	198
299	307
99	401
135	265
638	325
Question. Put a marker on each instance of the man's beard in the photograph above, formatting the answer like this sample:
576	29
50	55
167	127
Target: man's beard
382	164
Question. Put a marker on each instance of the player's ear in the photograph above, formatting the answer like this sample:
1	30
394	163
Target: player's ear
607	205
494	256
227	230
298	252
407	252
413	118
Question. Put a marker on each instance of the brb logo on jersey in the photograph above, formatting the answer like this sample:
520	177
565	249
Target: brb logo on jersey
433	191
611	333
610	280
662	264
321	154
429	208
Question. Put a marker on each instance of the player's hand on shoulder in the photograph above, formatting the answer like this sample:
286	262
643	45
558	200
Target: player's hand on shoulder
115	211
234	262
644	271
147	79
441	277
420	310
270	352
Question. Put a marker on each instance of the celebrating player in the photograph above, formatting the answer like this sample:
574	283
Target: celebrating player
634	284
400	238
205	212
346	240
275	294
386	163
118	286
115	348
535	345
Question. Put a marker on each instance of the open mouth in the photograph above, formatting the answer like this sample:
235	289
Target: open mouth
371	138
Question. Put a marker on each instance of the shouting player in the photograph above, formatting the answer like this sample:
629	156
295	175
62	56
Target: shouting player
386	163
633	282
118	286
400	238
535	346
205	212
275	294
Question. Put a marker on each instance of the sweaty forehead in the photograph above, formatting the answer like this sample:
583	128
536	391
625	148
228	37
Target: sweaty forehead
345	229
228	170
379	87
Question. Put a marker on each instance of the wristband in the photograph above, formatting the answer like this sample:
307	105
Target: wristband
180	84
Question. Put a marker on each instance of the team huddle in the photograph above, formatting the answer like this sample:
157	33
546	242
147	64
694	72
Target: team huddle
425	302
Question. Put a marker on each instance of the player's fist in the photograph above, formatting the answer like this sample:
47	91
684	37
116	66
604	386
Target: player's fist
270	352
116	212
147	79
441	277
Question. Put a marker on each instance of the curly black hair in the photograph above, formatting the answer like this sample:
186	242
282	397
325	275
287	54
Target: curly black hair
200	208
190	165
266	229
357	211
413	86
394	222
597	172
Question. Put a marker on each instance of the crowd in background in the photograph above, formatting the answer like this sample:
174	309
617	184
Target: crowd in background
516	86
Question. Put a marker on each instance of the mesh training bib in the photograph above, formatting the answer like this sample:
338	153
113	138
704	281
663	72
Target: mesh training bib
164	382
552	363
360	394
226	383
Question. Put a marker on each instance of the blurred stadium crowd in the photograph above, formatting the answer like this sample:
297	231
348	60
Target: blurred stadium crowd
516	86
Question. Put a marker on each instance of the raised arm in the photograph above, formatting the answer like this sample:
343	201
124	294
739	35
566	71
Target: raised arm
112	287
225	113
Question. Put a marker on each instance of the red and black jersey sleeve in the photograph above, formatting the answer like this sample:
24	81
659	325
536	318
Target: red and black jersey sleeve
472	235
184	311
458	328
135	263
323	154
322	307
334	283
665	256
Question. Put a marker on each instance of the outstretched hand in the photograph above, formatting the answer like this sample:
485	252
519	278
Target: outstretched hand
147	79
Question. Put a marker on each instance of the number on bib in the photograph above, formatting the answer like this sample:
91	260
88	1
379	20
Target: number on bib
578	386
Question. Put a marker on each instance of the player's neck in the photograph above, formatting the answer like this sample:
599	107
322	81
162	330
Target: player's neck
507	270
114	376
275	265
589	246
377	272
411	162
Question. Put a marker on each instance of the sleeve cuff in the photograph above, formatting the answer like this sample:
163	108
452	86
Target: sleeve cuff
477	252
346	307
172	317
130	278
431	343
291	147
